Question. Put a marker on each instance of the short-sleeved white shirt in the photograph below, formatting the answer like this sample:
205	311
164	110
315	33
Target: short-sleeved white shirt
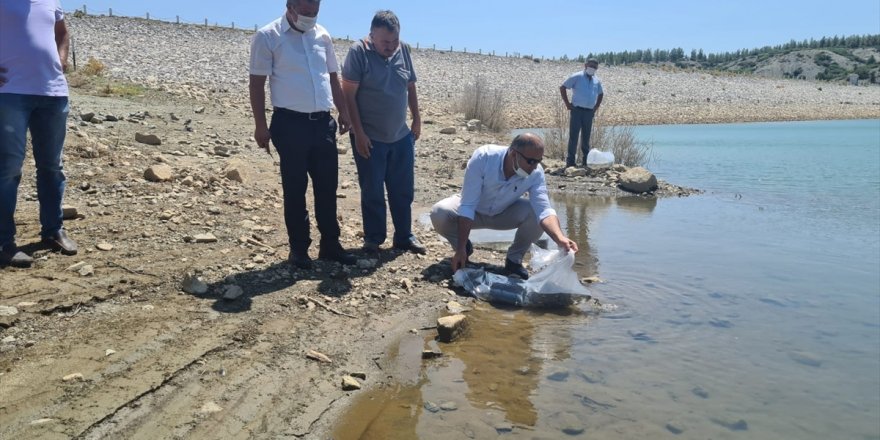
298	65
28	50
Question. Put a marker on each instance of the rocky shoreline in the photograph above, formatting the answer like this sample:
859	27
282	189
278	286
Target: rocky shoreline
180	317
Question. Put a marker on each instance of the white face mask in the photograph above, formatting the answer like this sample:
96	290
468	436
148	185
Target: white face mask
304	23
590	71
519	171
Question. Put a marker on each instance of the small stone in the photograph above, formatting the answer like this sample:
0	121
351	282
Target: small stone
194	285
350	384
447	130
8	340
449	406
235	175
199	110
77	266
431	407
41	422
109	352
359	375
104	247
205	238
232	292
69	212
159	173
503	427
674	428
8	311
700	392
87	270
318	356
73	377
149	139
450	328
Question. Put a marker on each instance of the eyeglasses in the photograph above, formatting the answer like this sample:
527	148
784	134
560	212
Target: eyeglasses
529	160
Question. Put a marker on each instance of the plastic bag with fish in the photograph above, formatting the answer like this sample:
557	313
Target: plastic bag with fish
554	285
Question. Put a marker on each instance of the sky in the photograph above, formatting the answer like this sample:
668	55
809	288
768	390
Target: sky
547	28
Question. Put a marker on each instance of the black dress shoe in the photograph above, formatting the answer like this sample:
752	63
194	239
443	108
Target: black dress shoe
11	256
412	245
370	247
61	242
300	260
338	254
515	269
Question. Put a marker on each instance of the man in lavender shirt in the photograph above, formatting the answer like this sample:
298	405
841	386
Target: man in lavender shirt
33	96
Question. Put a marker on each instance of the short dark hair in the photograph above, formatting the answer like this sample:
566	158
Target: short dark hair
387	20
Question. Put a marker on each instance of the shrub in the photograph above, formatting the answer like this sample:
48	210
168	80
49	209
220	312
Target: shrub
94	67
620	140
481	101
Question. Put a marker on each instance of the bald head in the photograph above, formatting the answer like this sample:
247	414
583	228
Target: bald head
528	143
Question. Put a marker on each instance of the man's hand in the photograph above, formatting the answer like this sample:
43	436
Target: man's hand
567	244
262	136
362	144
416	129
344	123
2	76
459	260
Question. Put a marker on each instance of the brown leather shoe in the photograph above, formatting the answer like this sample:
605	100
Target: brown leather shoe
61	242
11	256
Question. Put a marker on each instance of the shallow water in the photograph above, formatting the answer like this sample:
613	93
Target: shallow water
752	311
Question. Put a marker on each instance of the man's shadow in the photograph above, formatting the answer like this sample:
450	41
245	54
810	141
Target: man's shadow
334	280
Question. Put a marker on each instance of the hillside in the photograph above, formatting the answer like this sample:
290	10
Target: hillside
835	59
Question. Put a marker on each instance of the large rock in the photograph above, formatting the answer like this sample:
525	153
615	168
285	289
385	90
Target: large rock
450	328
149	139
575	172
235	175
159	173
638	180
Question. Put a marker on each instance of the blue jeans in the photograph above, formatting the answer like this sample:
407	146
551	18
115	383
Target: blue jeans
389	166
581	122
46	117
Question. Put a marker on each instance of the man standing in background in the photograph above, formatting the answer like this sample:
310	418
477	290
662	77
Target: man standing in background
33	96
298	57
585	101
379	82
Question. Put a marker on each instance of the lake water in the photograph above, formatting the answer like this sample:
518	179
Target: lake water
750	311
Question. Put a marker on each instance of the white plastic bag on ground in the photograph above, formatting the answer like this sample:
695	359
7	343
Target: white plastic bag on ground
599	158
553	285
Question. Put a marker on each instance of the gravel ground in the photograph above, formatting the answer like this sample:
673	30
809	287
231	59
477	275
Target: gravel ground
213	63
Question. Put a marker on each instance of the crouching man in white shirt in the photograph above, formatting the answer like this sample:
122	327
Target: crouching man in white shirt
492	198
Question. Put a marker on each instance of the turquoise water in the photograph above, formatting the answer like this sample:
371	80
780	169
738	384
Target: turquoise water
751	311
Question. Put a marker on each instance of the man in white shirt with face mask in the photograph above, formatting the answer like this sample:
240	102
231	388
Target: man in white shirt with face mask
297	56
586	97
491	198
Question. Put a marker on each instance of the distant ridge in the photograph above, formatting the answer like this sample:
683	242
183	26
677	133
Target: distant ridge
827	59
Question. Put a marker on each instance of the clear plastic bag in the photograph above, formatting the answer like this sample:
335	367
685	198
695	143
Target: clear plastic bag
598	158
554	285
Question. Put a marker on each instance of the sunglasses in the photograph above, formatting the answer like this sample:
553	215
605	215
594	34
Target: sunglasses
529	160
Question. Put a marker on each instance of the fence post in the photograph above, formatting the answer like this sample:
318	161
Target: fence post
148	15
85	10
434	46
111	12
480	51
255	28
465	50
206	23
233	25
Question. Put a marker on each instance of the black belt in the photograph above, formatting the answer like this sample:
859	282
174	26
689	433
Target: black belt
313	116
582	108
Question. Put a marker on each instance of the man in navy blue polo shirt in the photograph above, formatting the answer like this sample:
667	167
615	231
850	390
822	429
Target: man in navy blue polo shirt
379	82
585	101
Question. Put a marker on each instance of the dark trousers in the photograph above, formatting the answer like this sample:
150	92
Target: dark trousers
581	122
306	145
